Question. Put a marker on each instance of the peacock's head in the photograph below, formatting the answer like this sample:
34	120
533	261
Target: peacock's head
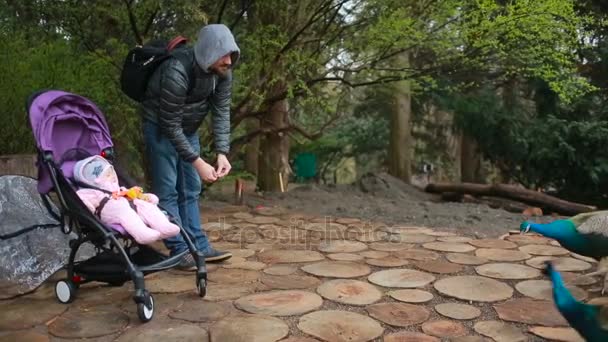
525	226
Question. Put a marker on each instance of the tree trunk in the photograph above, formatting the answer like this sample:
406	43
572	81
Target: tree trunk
470	161
252	150
274	149
547	202
400	151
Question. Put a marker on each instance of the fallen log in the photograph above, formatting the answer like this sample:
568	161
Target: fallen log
547	202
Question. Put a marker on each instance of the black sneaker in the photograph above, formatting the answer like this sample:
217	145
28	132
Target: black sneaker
213	255
187	263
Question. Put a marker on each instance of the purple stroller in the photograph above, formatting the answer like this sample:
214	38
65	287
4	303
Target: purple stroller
67	128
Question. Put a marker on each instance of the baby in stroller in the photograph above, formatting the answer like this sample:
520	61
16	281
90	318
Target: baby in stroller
135	211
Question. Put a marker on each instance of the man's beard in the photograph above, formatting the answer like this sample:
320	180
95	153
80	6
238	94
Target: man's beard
220	71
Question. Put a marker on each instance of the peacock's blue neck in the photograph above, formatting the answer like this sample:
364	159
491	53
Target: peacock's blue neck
564	231
582	317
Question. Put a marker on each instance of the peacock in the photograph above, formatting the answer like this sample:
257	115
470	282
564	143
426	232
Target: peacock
585	234
590	321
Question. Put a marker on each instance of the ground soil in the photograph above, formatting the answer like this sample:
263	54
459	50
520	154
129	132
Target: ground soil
383	198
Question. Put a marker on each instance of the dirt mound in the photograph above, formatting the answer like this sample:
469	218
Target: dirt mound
379	197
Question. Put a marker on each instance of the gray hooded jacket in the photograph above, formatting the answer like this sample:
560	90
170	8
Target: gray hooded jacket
178	112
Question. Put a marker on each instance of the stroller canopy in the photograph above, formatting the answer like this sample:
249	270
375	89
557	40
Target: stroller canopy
62	122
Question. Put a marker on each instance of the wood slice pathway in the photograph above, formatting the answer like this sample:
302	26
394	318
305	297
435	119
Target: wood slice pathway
326	279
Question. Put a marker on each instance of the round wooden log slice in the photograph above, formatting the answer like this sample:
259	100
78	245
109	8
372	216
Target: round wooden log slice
399	314
389	261
496	254
171	283
530	311
417	254
249	328
347	220
242	253
370	236
24	336
289	282
345	257
281	269
527	239
444	329
232	276
340	326
342	246
95	295
247	265
337	269
474	288
562	264
165	332
453	247
289	256
242	215
543	289
583	258
458	311
374	254
505	270
409	336
598	301
199	312
218	226
390	246
471	338
543	250
408	230
220	292
578	279
88	324
557	334
401	278
280	303
411	295
458	239
351	292
439	266
262	220
493	243
300	339
500	331
465	259
411	238
26	313
440	233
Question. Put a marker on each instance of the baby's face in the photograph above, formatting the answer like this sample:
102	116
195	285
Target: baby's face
108	176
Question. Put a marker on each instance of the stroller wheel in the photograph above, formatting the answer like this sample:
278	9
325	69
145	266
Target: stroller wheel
145	314
65	291
202	287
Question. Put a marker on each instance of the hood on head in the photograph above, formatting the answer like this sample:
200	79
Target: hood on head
213	42
93	171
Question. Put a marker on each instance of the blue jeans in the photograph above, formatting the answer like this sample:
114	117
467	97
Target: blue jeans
177	185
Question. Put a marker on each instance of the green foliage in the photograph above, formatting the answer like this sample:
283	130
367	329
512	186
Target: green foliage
558	149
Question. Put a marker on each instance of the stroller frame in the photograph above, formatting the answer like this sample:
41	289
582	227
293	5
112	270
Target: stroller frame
77	218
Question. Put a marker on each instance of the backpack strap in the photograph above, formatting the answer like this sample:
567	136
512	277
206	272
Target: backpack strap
175	42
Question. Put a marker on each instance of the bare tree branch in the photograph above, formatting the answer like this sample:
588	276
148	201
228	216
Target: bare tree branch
151	20
240	16
133	22
222	8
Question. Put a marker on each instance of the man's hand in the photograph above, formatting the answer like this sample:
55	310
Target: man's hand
204	170
223	166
